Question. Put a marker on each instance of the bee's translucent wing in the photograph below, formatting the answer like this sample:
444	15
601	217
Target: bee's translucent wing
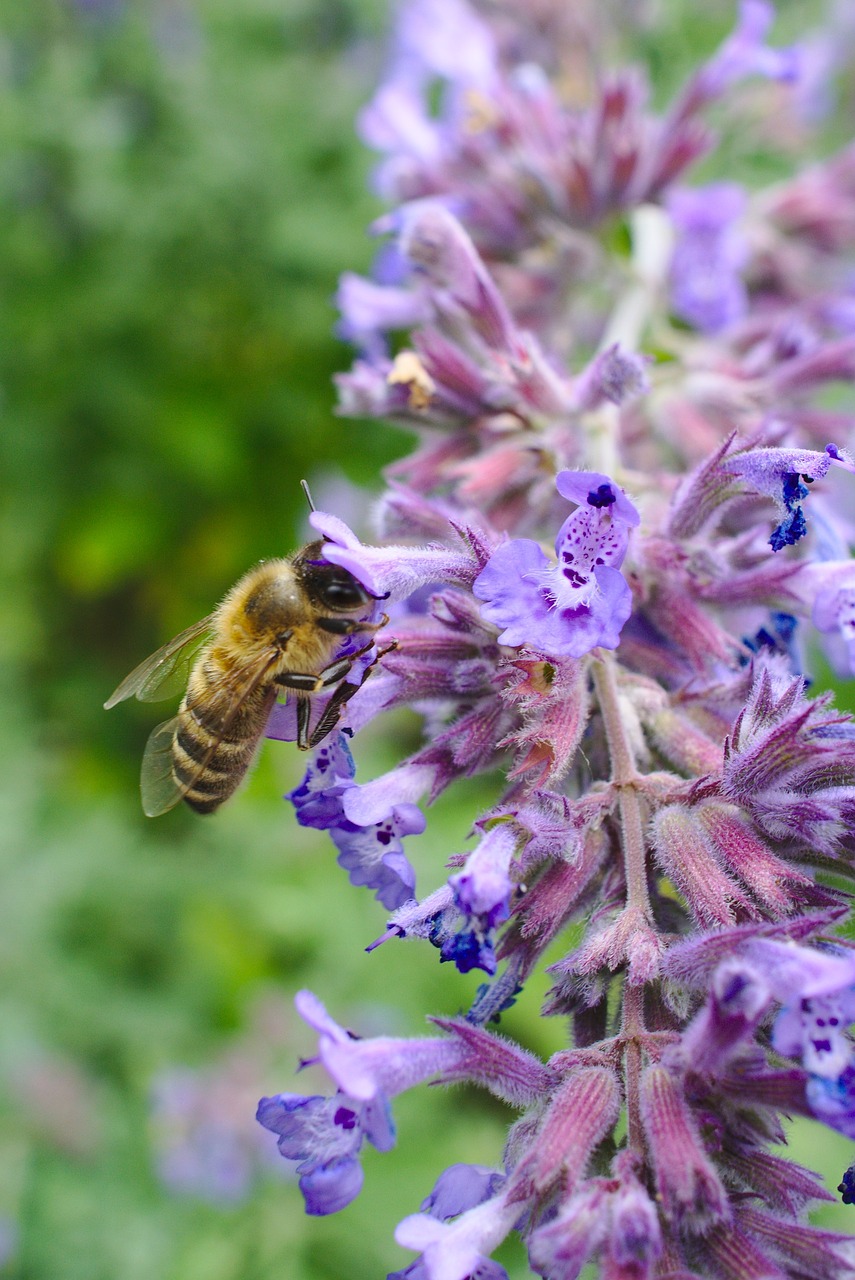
160	788
164	674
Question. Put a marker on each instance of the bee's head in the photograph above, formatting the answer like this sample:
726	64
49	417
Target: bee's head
330	588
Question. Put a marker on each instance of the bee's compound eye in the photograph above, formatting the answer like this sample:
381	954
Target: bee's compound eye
342	591
329	586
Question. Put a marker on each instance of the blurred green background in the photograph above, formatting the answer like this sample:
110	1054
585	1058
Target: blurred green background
180	187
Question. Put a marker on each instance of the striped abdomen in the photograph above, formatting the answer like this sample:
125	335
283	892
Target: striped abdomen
216	737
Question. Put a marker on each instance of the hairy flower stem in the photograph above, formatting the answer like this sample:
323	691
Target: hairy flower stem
632	1028
624	779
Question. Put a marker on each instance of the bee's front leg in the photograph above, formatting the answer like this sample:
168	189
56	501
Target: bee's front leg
308	682
304	682
342	695
347	627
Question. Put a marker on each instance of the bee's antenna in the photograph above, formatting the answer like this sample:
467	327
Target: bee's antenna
305	487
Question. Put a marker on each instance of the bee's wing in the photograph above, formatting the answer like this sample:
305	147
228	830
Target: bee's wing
165	672
158	785
160	788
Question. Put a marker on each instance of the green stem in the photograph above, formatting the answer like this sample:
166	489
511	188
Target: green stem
652	242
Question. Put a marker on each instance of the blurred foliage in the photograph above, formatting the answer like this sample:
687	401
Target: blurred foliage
179	189
180	192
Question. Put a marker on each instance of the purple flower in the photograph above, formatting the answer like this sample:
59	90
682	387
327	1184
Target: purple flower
374	856
784	476
834	607
612	1217
372	853
442	39
674	811
635	1236
391	572
445	38
461	1187
744	53
371	802
709	256
396	121
325	1135
483	887
482	891
559	1248
377	1068
568	608
739	997
369	309
460	1249
440	249
318	798
815	1030
819	990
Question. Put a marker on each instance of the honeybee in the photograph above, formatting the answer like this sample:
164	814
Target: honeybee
279	627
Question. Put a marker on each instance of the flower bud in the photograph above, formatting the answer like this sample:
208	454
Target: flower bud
737	1002
635	1239
692	1192
685	855
581	1113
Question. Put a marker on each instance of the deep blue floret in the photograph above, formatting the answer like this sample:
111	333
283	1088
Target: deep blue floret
785	626
789	531
468	951
794	491
493	998
778	636
847	1186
